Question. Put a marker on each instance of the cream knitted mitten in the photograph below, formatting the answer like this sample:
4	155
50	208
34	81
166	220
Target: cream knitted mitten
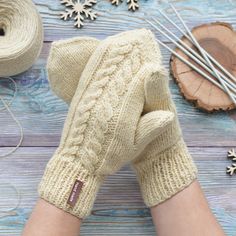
105	127
165	167
67	61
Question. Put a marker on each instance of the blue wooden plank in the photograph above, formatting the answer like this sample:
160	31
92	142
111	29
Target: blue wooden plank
119	209
42	114
114	19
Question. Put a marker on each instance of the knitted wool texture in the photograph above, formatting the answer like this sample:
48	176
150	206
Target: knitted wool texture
105	127
67	61
165	167
22	37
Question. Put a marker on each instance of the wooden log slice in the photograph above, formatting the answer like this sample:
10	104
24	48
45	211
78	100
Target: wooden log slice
219	40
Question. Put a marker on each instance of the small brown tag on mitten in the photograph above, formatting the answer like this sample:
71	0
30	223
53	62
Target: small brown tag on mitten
75	192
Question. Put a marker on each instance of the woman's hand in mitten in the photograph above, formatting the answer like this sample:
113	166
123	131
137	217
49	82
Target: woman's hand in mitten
105	127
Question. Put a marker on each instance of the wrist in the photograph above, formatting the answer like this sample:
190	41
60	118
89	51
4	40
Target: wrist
164	174
69	186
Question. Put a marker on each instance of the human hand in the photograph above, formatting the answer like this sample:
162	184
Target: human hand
105	127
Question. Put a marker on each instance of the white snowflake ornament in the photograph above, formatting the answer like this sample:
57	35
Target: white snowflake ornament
133	4
232	154
77	9
231	169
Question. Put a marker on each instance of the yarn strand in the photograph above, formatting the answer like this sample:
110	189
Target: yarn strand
21	44
7	107
14	95
18	197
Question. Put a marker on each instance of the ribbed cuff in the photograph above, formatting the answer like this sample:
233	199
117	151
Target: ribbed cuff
165	174
67	181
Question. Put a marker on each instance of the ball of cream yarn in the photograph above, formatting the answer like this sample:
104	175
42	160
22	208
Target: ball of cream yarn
21	36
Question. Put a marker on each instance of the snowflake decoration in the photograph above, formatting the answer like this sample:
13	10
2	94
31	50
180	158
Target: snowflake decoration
232	154
231	169
133	4
75	7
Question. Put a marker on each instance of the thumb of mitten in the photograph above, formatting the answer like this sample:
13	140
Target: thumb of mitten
156	90
66	62
151	125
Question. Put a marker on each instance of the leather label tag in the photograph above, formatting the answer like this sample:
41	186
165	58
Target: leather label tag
75	192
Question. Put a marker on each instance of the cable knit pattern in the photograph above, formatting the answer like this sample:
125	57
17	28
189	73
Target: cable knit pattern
105	127
165	166
106	91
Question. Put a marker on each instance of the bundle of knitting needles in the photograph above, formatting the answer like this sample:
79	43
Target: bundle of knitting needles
222	77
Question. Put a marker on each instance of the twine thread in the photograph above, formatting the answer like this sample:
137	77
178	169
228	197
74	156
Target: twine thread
21	37
6	106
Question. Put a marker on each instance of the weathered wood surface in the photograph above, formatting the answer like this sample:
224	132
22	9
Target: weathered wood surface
42	114
114	19
215	38
119	209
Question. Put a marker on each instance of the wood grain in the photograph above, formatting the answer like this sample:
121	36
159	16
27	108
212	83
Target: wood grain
218	40
112	19
42	114
119	209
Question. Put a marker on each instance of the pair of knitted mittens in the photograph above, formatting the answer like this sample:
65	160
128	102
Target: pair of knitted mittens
120	111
